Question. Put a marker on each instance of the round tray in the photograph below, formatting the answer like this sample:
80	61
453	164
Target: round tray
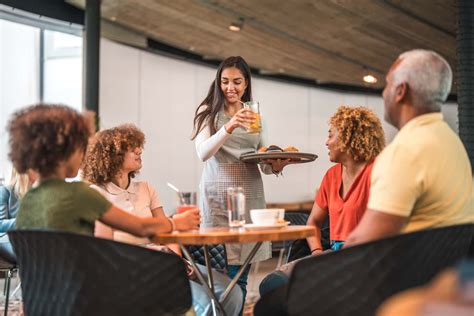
294	156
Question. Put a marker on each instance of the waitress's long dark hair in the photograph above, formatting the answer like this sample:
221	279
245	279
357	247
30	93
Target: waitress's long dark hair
214	101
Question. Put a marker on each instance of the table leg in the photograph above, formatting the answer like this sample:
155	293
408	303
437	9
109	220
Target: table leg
241	270
210	292
209	276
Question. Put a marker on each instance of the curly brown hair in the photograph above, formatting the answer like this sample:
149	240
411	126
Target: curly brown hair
106	152
43	135
360	132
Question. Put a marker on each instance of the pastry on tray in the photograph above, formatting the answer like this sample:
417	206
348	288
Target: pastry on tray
291	148
275	148
270	149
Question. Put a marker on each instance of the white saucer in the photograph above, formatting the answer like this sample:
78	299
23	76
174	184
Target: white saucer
265	227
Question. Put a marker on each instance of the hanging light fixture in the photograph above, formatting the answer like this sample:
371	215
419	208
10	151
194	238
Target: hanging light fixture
237	25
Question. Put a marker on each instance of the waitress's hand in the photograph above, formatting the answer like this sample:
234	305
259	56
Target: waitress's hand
243	118
277	164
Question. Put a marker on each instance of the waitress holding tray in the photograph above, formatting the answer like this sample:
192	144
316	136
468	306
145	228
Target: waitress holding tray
220	137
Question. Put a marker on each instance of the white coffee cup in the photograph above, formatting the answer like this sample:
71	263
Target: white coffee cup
269	216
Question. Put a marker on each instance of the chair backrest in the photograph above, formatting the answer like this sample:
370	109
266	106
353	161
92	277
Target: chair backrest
70	274
356	280
217	255
7	256
296	249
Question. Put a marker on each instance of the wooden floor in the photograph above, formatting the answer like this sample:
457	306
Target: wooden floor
257	273
15	300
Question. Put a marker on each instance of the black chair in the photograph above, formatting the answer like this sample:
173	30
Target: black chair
296	249
356	280
70	274
8	265
217	254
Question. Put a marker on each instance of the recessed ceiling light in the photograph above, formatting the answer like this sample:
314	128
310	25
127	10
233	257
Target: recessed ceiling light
236	26
113	18
370	79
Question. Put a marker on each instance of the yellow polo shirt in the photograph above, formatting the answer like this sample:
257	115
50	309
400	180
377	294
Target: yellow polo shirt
424	174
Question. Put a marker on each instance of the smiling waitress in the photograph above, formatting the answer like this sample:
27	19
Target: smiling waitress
220	138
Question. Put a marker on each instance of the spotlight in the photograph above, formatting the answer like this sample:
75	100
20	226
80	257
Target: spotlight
370	79
236	26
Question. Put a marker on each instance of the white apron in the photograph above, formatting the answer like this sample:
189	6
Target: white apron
225	170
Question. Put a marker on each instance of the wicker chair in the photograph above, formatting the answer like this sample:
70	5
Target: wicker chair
70	274
356	280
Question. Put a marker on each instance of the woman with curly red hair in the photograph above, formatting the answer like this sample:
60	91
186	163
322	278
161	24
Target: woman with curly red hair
113	158
51	141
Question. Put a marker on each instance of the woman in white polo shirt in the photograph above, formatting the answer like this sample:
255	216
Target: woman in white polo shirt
112	160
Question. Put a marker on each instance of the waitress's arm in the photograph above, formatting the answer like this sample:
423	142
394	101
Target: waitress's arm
207	145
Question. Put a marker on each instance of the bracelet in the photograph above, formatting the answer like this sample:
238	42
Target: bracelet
316	249
172	223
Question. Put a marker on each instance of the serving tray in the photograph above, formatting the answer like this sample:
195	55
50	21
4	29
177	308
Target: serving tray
294	156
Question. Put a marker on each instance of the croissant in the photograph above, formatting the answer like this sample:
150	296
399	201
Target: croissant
270	148
291	148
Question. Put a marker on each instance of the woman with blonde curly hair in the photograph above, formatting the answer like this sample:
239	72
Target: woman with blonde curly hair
355	138
112	160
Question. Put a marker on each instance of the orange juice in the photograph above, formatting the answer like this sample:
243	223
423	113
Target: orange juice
183	208
255	127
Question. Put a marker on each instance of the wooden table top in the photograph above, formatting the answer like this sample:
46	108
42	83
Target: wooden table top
217	235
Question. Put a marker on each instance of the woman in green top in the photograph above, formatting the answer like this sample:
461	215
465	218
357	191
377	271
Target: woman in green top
51	140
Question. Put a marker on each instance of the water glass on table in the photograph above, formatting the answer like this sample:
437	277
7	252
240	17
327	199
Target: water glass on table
236	206
187	201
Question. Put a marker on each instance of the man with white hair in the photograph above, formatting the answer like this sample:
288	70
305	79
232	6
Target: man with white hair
423	179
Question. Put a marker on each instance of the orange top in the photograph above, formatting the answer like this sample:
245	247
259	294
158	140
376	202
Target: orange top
344	213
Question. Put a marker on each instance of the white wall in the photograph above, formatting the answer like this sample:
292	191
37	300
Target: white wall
160	95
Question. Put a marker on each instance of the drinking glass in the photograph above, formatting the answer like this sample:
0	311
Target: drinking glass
186	202
256	126
236	206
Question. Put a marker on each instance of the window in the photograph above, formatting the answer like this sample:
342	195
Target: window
36	64
62	74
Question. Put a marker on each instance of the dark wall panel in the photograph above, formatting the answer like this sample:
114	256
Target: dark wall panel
56	9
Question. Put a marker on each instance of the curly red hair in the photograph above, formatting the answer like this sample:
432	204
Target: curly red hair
106	152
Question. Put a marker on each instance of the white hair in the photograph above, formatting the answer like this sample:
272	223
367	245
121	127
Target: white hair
428	75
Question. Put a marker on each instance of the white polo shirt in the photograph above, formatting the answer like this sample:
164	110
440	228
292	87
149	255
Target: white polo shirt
138	199
425	175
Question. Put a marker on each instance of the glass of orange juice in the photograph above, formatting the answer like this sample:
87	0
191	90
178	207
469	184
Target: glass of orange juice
256	126
186	202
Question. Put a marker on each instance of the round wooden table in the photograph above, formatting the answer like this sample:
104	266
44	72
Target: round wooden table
220	235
